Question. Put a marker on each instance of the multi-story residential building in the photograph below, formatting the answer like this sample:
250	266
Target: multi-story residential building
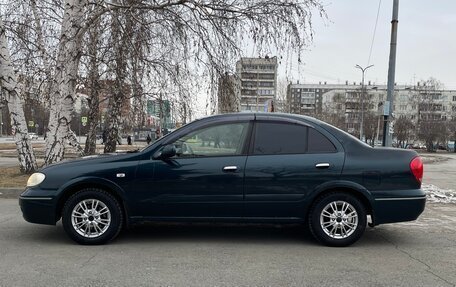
341	104
258	82
306	98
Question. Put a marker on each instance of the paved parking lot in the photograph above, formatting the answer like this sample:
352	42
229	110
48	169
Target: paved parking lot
421	253
442	174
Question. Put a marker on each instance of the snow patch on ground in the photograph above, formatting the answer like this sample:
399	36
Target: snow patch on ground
440	195
431	159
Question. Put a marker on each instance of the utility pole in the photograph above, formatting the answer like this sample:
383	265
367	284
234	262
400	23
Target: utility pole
361	129
388	105
1	120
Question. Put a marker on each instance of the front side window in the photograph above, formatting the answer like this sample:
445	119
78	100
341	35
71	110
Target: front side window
220	140
279	138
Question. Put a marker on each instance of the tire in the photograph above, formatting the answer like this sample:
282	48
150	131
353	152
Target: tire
92	216
337	219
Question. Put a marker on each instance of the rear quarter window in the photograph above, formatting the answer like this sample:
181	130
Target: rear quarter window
318	143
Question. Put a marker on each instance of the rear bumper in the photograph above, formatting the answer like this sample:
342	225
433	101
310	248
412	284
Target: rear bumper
38	209
399	209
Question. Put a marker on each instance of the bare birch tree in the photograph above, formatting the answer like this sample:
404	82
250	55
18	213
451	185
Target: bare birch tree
186	43
403	130
9	85
430	124
93	88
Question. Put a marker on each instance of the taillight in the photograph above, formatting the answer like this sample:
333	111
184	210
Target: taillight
416	166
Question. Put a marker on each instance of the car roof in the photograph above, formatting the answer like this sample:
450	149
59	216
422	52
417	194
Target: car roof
263	114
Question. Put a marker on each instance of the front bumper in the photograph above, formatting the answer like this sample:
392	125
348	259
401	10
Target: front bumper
38	209
403	206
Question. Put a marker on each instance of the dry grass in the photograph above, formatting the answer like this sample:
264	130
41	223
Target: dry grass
12	146
12	177
7	146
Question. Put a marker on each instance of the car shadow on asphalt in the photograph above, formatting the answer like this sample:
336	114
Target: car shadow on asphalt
217	233
160	233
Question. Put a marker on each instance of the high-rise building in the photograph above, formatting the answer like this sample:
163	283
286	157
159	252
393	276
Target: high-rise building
258	82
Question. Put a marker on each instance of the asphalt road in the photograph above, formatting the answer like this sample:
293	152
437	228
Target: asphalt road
442	174
8	162
421	253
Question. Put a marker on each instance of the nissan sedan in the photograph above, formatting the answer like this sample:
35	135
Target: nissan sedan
246	167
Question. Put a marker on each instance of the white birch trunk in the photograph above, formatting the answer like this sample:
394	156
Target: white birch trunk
64	85
9	84
116	101
93	84
46	89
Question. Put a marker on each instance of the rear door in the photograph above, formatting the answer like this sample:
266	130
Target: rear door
287	161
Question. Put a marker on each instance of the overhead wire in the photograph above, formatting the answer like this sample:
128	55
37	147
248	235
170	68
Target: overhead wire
375	31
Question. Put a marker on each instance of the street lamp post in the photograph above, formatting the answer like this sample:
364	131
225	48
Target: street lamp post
361	129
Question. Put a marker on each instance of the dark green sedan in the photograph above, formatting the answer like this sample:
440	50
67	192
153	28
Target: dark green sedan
246	167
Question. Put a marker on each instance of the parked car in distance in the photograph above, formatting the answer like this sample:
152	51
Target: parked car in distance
450	146
245	167
33	136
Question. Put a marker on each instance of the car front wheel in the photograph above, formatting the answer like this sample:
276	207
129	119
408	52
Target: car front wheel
337	219
92	216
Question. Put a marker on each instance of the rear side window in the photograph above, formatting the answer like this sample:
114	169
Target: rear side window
279	138
318	143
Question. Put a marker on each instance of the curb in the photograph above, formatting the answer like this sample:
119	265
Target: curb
10	192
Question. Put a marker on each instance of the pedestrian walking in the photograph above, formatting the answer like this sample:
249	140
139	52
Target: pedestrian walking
104	137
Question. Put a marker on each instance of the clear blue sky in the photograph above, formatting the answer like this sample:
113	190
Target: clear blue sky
426	43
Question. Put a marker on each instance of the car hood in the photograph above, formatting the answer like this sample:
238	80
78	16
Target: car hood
93	159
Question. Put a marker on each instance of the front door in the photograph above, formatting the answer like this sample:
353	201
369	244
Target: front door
203	180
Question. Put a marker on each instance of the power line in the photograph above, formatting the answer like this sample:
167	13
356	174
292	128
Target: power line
375	31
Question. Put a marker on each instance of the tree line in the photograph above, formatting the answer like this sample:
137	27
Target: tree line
143	48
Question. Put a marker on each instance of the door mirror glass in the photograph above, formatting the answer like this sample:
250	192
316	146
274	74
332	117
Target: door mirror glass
166	152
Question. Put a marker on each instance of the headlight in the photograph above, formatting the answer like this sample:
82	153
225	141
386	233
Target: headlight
35	179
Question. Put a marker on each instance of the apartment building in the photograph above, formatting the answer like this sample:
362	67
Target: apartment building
258	82
342	104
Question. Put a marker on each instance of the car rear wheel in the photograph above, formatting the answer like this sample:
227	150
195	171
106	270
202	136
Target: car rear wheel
92	216
337	219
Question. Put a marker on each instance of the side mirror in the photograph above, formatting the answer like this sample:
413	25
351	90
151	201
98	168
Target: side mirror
166	152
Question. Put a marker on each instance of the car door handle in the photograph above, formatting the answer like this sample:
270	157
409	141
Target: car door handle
322	165
230	168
